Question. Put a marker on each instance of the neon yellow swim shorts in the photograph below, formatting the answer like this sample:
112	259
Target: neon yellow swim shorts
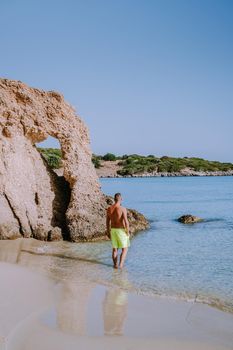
119	238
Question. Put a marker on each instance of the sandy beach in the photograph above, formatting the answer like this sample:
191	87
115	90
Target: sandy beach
42	311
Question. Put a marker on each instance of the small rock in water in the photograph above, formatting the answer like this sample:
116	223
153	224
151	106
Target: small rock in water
189	219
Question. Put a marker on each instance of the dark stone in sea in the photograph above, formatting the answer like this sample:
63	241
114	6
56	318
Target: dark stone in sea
189	219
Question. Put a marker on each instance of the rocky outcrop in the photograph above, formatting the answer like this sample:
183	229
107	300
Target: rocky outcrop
34	201
189	219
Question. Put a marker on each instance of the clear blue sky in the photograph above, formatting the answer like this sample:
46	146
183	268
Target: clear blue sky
148	76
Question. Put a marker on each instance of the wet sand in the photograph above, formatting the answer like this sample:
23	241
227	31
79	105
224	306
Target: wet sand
38	312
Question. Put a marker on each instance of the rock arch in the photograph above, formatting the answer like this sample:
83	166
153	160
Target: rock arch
28	116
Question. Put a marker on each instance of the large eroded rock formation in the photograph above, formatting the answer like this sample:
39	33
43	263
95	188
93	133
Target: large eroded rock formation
34	201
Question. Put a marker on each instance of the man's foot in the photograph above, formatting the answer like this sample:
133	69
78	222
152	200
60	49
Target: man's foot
115	266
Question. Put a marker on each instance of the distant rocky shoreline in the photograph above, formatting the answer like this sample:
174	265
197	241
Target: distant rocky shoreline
109	169
195	173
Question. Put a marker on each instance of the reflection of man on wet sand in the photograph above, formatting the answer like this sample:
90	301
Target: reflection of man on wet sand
114	311
118	230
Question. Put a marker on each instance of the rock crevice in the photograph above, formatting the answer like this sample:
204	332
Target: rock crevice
14	214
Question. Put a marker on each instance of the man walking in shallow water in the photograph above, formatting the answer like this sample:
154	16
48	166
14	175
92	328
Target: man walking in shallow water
118	230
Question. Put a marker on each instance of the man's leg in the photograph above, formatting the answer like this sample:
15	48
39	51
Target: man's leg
123	256
114	257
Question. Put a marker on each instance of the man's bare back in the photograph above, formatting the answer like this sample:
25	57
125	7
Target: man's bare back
117	215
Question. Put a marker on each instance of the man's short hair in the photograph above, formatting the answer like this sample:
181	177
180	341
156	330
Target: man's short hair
117	196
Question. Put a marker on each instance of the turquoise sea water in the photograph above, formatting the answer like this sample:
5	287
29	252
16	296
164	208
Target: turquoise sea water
190	261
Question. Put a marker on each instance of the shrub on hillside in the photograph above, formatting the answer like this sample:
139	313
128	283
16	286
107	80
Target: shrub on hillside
109	156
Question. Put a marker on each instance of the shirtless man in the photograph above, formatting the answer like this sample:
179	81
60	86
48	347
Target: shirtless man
118	230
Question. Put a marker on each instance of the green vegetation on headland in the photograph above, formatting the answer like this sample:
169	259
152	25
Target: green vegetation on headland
136	164
52	156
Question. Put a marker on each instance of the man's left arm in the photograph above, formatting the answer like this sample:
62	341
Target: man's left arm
126	221
108	222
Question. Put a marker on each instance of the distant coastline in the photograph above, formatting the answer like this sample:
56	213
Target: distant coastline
109	169
166	174
134	165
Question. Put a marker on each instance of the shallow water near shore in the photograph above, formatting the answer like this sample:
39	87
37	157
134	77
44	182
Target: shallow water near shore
191	262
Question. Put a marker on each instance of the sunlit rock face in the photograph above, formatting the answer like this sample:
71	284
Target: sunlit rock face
34	201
